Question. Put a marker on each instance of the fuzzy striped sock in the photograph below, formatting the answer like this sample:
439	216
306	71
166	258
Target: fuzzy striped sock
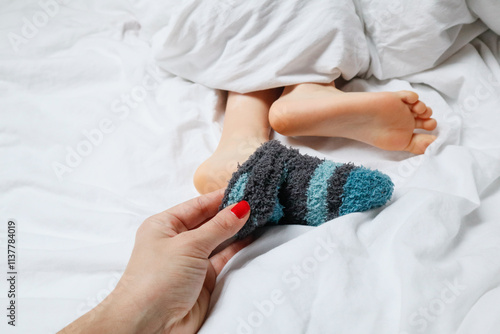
283	186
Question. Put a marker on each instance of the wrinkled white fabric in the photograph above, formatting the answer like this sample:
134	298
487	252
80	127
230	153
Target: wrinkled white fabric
252	45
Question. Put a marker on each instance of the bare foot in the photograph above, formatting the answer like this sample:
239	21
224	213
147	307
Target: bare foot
383	119
216	171
246	127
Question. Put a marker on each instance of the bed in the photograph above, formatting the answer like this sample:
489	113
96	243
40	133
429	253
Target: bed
107	108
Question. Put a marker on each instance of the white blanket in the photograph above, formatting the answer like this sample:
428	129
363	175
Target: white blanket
251	45
94	138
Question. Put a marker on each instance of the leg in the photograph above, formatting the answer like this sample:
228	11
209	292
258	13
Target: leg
385	120
246	127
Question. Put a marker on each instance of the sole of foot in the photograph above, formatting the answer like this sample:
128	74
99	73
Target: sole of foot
386	120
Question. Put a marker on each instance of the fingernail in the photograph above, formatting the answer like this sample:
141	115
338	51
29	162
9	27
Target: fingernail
241	209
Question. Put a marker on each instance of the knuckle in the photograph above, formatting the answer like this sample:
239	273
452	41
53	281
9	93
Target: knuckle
162	224
201	205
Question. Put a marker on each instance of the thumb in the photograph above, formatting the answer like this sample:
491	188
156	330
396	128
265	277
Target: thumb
221	227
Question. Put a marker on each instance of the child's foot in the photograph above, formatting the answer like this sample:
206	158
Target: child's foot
246	127
383	119
217	170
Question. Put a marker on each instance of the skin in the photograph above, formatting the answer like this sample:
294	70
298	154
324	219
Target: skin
246	127
386	120
168	281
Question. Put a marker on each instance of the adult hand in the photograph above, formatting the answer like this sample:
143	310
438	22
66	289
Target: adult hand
167	284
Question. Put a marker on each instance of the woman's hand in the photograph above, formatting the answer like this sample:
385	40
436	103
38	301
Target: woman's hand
167	284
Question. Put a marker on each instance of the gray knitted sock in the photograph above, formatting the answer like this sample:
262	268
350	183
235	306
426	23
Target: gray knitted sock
283	186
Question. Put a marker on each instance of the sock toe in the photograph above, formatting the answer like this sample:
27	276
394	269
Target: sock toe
365	189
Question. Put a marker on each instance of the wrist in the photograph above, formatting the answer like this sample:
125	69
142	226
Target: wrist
140	309
130	315
115	314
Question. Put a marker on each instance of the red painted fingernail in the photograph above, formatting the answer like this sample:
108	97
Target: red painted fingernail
241	209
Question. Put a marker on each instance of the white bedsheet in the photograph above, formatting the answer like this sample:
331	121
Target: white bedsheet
94	138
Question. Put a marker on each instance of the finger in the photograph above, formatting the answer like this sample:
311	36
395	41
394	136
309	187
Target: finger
197	210
220	228
210	279
220	259
193	320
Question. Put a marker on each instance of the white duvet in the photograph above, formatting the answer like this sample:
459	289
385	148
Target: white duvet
247	46
94	138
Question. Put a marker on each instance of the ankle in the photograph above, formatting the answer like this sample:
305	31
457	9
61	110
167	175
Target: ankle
229	140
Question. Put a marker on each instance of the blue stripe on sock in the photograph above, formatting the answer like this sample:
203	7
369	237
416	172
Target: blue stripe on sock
317	206
278	212
238	189
364	190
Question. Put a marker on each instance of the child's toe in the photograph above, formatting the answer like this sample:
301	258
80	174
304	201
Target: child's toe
419	108
426	124
408	97
426	114
419	143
